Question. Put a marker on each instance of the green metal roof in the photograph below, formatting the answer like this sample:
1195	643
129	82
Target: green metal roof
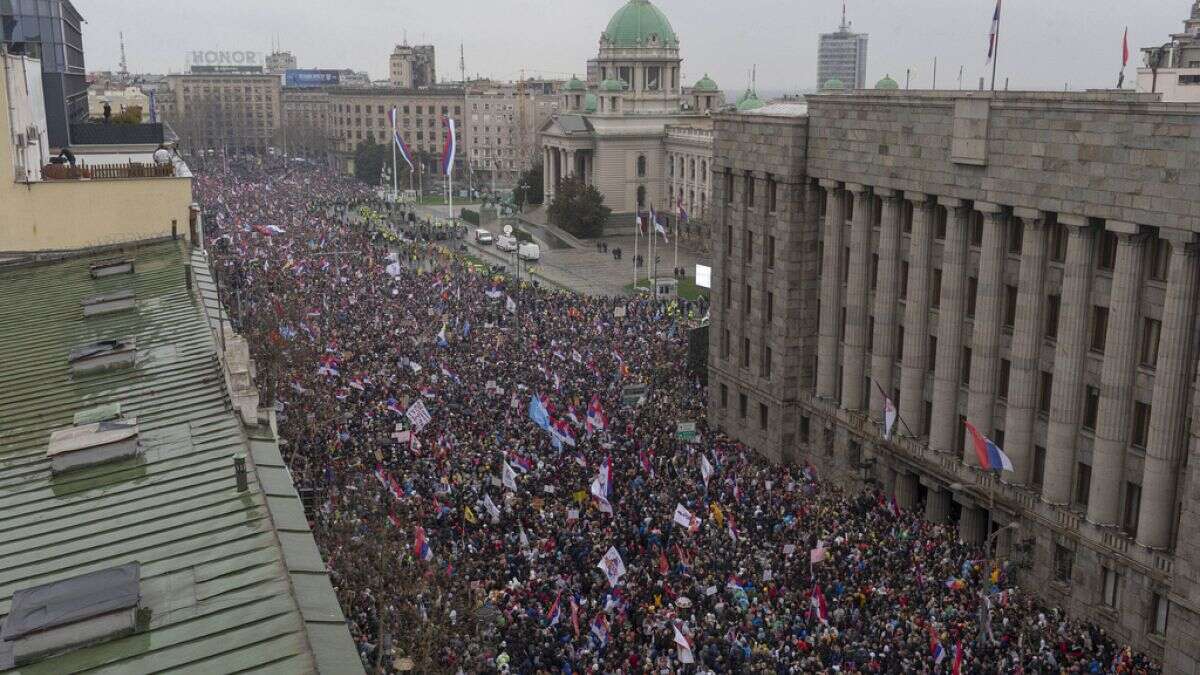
612	85
575	84
749	101
227	589
705	83
887	83
590	103
640	24
833	83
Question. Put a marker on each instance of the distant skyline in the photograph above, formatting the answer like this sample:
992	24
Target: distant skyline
1044	45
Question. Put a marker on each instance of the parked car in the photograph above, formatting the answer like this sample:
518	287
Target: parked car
483	237
506	244
529	252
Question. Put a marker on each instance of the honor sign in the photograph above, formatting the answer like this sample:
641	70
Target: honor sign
224	58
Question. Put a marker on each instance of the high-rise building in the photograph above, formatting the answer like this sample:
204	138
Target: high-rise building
1173	69
864	278
50	32
842	57
501	131
280	62
412	67
232	110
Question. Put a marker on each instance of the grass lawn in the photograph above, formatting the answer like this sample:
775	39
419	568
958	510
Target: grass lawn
441	201
688	290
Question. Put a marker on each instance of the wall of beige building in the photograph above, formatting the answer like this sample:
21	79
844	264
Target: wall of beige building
1027	262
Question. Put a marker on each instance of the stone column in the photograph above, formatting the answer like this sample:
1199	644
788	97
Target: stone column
1172	376
570	163
1070	359
937	506
972	525
855	344
906	490
1117	377
915	364
945	428
887	297
1025	358
989	314
831	290
548	189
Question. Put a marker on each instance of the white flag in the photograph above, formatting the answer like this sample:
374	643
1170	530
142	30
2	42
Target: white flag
684	645
509	477
612	566
684	518
491	507
510	304
524	538
889	418
598	496
706	470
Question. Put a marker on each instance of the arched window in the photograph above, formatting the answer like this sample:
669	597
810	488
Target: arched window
704	170
641	166
641	196
671	167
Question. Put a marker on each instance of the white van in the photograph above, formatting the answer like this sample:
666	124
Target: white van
529	252
506	243
483	237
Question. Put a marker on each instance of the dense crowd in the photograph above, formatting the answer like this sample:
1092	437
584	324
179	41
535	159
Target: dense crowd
490	497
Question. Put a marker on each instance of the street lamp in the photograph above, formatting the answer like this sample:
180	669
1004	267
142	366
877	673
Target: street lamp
524	196
987	546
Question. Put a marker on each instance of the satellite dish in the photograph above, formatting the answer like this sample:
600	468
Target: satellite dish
508	230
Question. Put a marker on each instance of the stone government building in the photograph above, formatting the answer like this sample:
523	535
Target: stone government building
1025	261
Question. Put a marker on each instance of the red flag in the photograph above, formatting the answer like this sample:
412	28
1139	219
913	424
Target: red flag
1125	48
957	668
663	565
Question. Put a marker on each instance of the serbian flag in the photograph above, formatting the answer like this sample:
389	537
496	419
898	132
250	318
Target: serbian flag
889	418
329	366
600	629
575	615
936	650
819	608
682	214
394	488
554	613
994	35
450	146
400	146
958	659
684	645
596	419
604	477
420	546
991	457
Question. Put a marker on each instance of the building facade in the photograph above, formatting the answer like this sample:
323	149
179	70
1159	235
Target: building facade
50	31
412	67
612	131
278	63
842	57
235	112
502	121
358	115
1173	69
1023	261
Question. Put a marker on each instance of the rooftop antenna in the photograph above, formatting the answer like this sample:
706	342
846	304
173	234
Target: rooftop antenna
124	63
844	24
462	63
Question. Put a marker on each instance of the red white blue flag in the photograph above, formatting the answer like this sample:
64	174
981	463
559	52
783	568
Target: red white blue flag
994	34
420	546
990	456
400	145
450	146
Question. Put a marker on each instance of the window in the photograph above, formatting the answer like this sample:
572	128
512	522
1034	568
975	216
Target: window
804	429
903	280
846	265
653	78
1039	466
725	344
932	356
770	306
1151	328
1159	259
748	246
1046	390
746	299
899	346
641	166
1002	379
749	190
724	396
728	239
763	415
848	211
728	292
742	405
641	199
874	271
972	294
1083	484
1112	588
966	366
936	289
976	229
745	352
1010	306
1161	612
941	216
1108	251
766	362
870	341
625	74
1099	328
928	414
1052	306
771	252
877	214
772	194
1016	234
1141	424
1091	407
906	217
1058	243
1133	501
1064	559
728	185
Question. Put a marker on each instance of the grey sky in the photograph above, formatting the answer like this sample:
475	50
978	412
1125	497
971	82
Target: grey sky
1044	45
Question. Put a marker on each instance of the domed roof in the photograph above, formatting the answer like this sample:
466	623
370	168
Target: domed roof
887	83
833	83
749	101
590	103
640	24
575	84
705	84
612	85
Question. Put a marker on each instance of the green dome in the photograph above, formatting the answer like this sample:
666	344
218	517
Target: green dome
833	83
639	24
590	103
749	101
574	84
612	85
705	84
887	83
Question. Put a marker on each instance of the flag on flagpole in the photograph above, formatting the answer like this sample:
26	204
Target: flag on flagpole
509	477
1124	58
449	147
936	650
493	510
685	519
441	337
554	613
684	645
990	456
994	33
958	659
612	566
400	146
889	418
819	608
420	546
706	470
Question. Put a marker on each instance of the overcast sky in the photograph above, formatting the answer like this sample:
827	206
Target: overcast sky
1045	44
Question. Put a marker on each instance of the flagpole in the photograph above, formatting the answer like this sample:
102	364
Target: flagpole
996	47
675	266
885	395
395	167
637	237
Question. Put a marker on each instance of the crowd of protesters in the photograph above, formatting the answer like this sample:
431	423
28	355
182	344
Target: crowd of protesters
499	486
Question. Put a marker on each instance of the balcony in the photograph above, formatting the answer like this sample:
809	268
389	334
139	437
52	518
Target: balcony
85	171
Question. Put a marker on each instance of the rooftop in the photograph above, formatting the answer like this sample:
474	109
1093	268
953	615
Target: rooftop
229	580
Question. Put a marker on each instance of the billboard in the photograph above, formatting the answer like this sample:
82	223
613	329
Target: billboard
222	57
703	276
236	70
311	78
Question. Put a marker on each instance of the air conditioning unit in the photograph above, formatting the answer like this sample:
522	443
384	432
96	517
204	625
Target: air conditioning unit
20	143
